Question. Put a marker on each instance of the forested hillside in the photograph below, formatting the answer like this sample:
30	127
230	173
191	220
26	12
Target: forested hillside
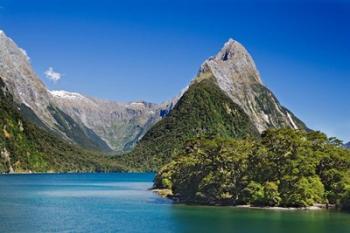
204	110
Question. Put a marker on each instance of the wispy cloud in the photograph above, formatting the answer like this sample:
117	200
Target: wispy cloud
53	75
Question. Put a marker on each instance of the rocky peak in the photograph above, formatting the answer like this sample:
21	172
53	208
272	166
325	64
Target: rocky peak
233	62
235	72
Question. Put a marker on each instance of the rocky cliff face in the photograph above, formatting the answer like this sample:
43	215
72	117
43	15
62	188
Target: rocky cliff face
26	87
236	74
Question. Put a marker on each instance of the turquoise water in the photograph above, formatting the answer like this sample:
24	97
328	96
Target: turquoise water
122	203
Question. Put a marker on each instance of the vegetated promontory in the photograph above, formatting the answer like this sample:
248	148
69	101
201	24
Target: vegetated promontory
285	167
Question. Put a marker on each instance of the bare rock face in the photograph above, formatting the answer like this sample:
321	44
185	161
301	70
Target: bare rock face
17	72
236	74
5	156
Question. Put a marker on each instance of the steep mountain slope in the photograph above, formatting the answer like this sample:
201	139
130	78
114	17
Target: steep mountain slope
24	147
17	73
236	74
227	99
204	110
37	103
121	125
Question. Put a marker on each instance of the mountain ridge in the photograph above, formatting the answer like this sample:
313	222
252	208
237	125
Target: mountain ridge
227	99
118	126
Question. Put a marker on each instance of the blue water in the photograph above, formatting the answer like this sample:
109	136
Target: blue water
122	203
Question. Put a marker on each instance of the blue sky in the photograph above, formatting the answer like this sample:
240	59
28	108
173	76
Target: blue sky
150	50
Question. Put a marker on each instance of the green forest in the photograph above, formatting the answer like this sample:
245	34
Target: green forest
285	167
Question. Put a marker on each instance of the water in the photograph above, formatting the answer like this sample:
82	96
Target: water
122	203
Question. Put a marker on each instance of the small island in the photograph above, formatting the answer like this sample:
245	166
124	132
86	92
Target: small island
284	168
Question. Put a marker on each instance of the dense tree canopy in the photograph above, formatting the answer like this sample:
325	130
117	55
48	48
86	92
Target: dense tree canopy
290	168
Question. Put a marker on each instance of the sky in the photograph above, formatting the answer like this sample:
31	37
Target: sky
150	50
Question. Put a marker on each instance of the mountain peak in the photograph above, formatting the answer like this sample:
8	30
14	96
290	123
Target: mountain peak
230	49
232	64
234	71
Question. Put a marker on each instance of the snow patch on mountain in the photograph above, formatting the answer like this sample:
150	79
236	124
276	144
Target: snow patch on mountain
66	94
291	120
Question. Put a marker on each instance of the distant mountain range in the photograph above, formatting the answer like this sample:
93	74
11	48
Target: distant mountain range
119	125
227	99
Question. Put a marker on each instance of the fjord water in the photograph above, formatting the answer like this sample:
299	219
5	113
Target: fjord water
122	203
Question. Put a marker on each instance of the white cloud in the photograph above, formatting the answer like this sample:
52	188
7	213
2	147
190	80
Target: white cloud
53	75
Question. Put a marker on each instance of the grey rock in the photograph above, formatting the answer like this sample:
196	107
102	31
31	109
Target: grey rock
27	88
119	124
236	74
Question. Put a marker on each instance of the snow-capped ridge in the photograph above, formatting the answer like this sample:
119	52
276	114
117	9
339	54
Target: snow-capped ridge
66	94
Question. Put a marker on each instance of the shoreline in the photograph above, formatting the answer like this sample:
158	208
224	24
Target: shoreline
167	193
68	172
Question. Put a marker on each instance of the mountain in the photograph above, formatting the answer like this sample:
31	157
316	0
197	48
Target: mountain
120	125
236	74
227	98
37	104
89	122
25	147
